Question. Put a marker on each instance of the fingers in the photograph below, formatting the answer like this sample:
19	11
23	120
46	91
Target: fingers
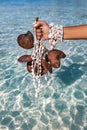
39	33
42	30
39	24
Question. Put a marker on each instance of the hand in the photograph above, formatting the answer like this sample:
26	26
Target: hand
42	30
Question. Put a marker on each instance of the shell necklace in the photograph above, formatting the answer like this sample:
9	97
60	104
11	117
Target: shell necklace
37	55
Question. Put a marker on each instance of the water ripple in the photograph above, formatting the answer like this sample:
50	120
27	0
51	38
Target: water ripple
62	102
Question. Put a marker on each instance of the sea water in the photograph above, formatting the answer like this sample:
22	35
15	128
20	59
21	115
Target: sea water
62	103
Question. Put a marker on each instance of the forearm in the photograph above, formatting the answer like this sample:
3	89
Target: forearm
75	32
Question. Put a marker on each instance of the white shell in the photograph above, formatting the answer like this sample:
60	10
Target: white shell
55	34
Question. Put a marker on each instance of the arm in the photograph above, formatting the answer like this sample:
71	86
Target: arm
69	32
75	32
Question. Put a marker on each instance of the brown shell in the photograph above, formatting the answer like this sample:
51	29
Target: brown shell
56	53
45	67
54	57
25	58
26	40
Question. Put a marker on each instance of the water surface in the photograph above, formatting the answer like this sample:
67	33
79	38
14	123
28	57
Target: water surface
62	104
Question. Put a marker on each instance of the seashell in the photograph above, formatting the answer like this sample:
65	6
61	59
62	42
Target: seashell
54	56
45	67
25	58
26	40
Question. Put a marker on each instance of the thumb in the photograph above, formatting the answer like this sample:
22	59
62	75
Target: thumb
39	23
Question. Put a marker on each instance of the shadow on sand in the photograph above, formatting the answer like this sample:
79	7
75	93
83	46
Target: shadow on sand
69	75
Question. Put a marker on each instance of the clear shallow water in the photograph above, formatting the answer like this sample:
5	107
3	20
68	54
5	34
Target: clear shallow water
62	104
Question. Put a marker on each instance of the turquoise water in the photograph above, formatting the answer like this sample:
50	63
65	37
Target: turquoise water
62	103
